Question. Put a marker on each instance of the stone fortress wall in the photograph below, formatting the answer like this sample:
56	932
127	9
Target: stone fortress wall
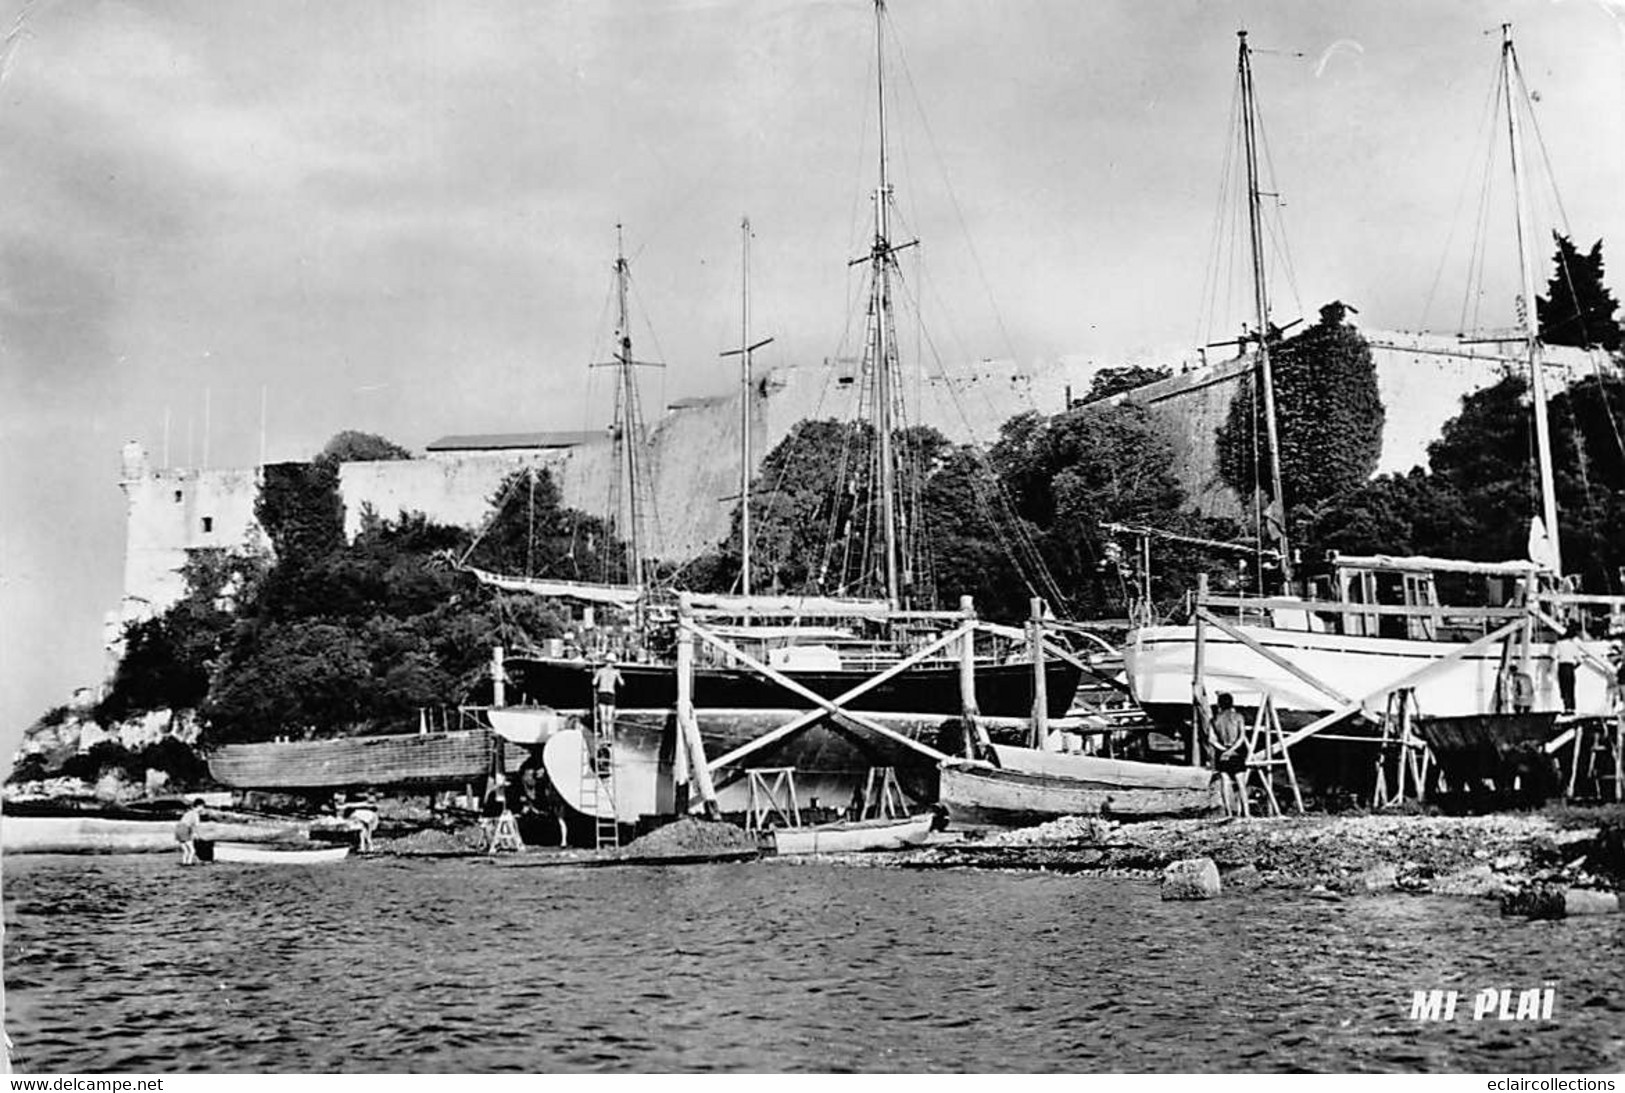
694	451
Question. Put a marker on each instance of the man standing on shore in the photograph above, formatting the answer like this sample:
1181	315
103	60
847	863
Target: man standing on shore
1230	751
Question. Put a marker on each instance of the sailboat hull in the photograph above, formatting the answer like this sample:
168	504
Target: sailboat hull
831	762
1161	661
1002	690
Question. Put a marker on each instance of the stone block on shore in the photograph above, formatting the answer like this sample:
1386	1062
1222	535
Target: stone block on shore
1190	878
1382	877
1589	901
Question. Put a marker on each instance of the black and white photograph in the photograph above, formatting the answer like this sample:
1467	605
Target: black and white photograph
851	537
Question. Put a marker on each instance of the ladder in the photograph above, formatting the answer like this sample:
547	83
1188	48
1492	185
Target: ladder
598	785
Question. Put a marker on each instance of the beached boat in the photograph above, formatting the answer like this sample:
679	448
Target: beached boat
94	835
1378	627
854	836
1027	786
419	759
272	854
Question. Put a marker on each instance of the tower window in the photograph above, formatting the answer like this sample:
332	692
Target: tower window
208	524
177	497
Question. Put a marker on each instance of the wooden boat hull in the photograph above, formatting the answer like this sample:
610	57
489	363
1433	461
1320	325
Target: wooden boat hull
418	759
90	835
982	795
1002	690
260	854
1161	663
857	837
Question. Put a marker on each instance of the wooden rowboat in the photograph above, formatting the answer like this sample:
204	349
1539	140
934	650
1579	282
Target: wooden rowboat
1032	787
277	855
855	836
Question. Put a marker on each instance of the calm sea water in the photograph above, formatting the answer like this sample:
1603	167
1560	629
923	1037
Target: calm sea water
132	963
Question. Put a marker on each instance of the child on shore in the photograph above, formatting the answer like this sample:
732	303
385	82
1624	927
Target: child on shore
186	831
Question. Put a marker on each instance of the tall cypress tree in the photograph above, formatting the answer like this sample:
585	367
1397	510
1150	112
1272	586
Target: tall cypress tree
1578	309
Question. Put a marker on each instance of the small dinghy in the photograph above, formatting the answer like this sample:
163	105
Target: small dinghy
856	836
268	854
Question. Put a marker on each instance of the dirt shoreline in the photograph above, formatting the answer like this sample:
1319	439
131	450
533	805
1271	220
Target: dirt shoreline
1487	856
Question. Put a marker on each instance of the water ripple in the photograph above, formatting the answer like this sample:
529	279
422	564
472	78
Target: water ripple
130	963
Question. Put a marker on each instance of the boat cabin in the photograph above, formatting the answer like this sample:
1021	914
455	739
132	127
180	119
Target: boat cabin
1405	594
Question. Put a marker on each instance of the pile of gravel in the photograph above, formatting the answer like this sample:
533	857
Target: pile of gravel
1086	830
436	841
689	836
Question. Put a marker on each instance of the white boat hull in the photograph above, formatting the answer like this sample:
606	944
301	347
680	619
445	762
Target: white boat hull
267	855
1161	664
93	835
854	837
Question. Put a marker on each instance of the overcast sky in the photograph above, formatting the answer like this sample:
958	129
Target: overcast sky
400	217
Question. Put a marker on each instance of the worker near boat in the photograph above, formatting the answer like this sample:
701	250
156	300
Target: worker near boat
606	683
1230	751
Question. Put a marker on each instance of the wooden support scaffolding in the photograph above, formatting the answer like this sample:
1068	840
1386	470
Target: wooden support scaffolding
771	796
826	706
1035	641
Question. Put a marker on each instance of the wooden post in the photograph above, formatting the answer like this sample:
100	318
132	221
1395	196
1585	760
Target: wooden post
967	677
499	678
688	725
1040	683
1198	677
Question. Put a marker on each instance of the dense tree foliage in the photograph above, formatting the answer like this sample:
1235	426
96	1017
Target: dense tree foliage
1115	381
999	526
1329	417
532	533
1482	488
351	446
327	637
169	660
1070	474
363	636
1578	309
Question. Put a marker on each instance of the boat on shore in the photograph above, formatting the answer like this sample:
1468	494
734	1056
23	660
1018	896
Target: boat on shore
1002	689
1020	787
417	759
274	854
1333	650
855	836
94	835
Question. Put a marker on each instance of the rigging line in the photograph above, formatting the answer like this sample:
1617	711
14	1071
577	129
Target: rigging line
1592	356
953	198
1208	306
1473	299
1540	141
1275	187
1036	559
1485	132
495	512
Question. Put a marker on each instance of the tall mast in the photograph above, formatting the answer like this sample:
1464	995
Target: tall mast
1266	376
627	425
1526	252
880	257
746	348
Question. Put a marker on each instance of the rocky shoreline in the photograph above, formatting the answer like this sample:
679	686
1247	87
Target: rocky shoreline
1492	856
